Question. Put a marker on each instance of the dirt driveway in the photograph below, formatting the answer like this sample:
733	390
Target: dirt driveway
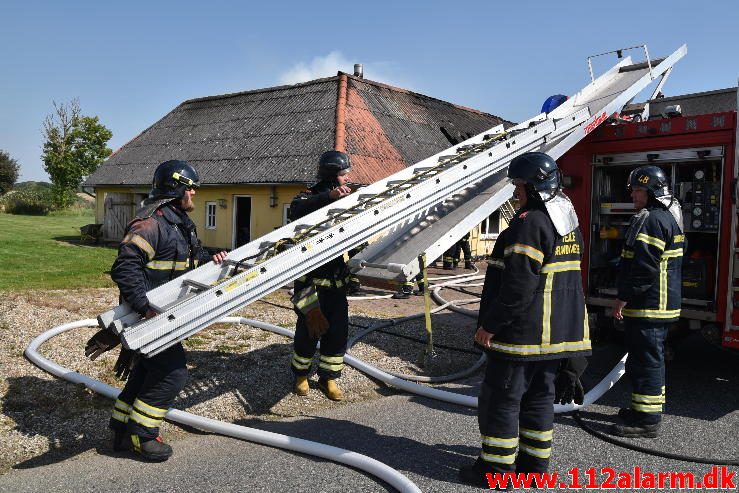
237	373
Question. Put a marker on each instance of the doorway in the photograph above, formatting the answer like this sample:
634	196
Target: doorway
242	220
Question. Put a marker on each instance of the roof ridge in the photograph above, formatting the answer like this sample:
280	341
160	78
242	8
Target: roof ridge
261	90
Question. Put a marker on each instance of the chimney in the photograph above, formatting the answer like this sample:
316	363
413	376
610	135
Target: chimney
358	72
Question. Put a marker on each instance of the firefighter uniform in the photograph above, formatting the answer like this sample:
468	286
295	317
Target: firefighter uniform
452	255
159	245
326	287
533	304
649	281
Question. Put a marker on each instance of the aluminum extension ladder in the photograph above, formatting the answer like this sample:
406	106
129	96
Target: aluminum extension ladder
394	258
204	295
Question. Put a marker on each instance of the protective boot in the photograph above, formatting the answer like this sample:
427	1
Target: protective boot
468	265
636	425
154	449
476	475
328	386
121	442
301	385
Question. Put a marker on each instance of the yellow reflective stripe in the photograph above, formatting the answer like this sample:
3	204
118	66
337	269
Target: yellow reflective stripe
586	325
327	366
144	420
332	359
142	406
327	283
308	300
498	264
499	442
536	435
678	252
547	309
627	253
527	250
561	266
139	242
544	453
166	265
648	399
524	349
649	313
119	416
651	240
498	459
301	359
301	366
646	408
122	406
136	441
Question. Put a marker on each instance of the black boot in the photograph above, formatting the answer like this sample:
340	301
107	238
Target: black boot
153	449
636	425
469	266
476	475
121	440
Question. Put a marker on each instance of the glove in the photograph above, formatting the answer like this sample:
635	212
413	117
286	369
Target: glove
567	385
103	340
316	322
125	363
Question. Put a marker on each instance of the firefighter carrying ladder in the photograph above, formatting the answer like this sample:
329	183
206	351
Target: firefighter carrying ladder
204	295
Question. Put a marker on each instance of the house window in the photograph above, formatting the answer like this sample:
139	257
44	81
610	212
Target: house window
210	215
490	227
285	210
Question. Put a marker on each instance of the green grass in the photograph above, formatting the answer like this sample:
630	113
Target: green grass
44	252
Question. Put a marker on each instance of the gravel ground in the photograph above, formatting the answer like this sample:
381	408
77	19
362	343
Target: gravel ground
237	373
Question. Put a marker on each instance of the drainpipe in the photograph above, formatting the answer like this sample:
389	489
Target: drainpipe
340	144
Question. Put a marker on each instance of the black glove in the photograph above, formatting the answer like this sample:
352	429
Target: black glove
103	340
567	385
125	363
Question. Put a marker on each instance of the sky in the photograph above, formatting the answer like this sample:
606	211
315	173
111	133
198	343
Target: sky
130	63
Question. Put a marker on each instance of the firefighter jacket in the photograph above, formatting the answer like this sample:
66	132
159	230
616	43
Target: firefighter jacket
332	274
650	267
532	300
158	245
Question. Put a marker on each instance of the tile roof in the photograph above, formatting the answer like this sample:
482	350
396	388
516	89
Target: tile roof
276	135
699	103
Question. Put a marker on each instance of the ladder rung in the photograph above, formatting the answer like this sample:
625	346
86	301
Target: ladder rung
464	148
424	169
407	183
368	196
343	212
448	157
196	284
492	136
234	263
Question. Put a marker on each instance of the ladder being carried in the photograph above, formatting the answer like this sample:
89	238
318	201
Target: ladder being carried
204	295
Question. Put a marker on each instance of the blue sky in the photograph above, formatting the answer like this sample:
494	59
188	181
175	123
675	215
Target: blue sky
132	62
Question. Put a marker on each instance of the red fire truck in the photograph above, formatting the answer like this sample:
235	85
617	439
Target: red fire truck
694	139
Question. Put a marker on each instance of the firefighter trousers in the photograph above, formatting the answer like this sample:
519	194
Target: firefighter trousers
149	392
515	411
333	343
645	367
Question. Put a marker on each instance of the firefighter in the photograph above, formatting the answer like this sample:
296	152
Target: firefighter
320	297
452	255
649	296
532	319
158	245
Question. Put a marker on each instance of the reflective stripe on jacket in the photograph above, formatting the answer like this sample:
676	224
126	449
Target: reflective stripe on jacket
650	270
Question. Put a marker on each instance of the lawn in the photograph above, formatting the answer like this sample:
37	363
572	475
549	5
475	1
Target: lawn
44	252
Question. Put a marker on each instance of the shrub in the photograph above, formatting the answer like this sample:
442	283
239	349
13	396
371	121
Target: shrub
28	202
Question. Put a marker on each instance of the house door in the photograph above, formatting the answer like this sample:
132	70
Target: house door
242	221
119	210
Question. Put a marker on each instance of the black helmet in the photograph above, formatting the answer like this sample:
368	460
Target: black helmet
537	169
651	178
331	163
172	178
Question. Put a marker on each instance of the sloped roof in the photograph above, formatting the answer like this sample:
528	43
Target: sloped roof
699	103
276	135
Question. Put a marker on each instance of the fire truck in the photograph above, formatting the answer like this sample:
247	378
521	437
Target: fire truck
693	138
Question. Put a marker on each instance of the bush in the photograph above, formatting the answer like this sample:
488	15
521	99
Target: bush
28	202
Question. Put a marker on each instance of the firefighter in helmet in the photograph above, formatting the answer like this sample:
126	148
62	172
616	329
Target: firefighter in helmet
649	296
320	296
532	325
159	244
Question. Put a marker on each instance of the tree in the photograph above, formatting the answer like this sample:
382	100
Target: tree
8	172
75	146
